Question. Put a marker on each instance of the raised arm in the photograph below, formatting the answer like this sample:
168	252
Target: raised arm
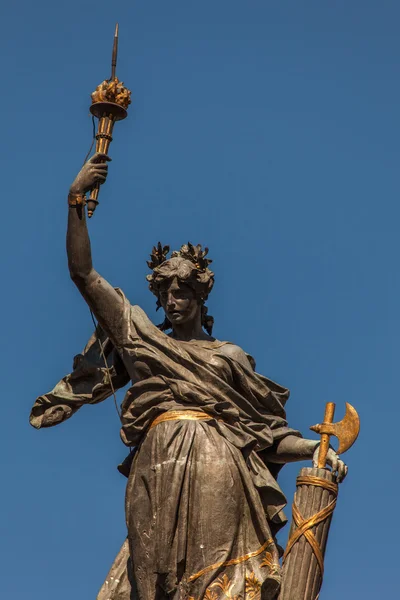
104	301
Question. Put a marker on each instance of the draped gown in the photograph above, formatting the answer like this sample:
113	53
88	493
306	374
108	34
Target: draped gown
202	501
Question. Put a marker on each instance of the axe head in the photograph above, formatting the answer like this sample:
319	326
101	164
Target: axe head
346	430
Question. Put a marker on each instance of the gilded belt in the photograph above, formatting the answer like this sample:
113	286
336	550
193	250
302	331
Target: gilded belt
178	415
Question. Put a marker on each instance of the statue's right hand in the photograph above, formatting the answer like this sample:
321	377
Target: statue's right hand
93	171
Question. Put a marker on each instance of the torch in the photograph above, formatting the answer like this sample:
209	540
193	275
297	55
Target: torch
313	506
109	103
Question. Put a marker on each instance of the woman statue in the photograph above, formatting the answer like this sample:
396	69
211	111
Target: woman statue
202	503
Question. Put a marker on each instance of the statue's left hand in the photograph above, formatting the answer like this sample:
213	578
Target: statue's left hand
333	460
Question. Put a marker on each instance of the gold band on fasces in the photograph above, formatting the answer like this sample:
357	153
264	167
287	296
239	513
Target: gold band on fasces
233	561
304	526
319	482
178	415
75	200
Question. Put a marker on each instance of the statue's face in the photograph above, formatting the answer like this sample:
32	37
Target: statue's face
179	302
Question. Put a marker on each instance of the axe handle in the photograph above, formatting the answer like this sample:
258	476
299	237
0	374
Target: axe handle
325	437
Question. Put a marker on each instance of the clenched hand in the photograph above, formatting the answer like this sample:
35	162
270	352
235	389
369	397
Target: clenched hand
93	171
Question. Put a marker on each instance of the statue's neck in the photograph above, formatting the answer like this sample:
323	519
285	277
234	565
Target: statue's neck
189	331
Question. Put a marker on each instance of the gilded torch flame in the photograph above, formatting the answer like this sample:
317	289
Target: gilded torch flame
112	91
109	103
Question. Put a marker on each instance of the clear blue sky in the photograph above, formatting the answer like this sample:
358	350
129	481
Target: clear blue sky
268	131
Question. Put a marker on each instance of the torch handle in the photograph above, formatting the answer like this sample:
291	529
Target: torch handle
325	437
103	141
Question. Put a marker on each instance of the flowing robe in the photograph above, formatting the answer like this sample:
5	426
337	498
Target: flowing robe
202	500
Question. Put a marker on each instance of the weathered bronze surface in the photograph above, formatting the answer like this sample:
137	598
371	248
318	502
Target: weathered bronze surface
312	510
207	434
303	561
203	505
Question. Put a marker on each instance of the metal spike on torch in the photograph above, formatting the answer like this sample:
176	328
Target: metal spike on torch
109	103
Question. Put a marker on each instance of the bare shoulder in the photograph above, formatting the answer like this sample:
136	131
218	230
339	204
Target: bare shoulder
236	353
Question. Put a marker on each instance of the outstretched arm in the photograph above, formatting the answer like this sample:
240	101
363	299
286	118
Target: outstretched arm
104	301
293	449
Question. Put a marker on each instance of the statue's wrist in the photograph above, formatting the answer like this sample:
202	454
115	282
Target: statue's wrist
76	190
311	446
76	199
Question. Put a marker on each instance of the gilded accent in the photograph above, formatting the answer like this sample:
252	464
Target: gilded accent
304	526
224	583
268	561
346	430
253	587
112	91
319	482
178	415
210	595
75	200
233	561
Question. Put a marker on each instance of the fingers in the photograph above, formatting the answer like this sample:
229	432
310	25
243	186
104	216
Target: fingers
334	461
95	173
99	168
331	459
99	157
99	175
342	471
99	172
315	457
337	465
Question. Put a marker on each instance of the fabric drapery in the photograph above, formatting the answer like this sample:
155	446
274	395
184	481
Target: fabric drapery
202	502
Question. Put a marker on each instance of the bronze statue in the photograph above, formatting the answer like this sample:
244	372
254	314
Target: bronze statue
207	434
202	505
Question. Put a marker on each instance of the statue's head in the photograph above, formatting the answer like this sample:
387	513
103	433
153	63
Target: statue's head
181	284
